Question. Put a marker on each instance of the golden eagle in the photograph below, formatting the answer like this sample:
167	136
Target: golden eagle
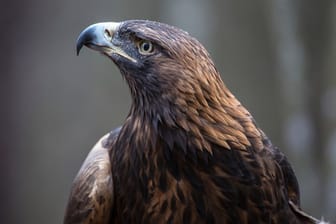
188	151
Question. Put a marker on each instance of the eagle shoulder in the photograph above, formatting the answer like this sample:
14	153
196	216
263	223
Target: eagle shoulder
91	195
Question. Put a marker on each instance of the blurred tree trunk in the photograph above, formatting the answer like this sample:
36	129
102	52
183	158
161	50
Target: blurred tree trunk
301	30
7	134
315	29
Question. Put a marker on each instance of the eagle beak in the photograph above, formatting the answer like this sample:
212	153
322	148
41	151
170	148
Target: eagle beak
99	37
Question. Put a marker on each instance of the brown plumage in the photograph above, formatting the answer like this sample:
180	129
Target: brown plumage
188	151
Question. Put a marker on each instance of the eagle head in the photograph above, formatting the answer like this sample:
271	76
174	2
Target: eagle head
161	63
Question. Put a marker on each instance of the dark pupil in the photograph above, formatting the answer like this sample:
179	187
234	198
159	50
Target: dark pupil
145	46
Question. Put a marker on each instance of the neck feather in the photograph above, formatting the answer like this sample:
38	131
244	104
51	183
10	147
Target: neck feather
202	111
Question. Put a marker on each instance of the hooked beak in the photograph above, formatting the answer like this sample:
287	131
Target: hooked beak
99	37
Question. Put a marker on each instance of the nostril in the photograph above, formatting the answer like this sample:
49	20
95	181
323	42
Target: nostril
107	34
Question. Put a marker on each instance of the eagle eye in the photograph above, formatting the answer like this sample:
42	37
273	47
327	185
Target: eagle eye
145	47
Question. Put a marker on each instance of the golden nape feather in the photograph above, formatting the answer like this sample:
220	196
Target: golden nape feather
188	151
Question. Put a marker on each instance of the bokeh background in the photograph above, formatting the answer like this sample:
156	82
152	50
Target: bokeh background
277	56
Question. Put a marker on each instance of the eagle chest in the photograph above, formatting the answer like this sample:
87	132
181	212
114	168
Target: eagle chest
171	186
160	186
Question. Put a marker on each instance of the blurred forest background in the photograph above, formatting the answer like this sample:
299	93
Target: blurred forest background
277	57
